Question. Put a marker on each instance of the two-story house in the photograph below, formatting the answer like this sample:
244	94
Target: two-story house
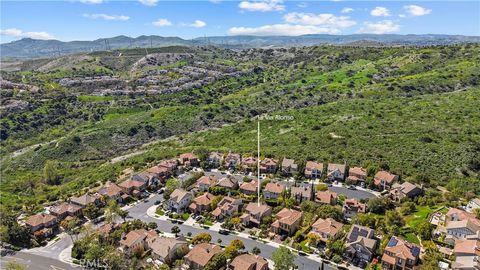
189	160
227	182
248	262
133	187
461	225
254	213
336	172
326	228
137	239
356	175
249	164
268	165
400	255
404	190
64	209
288	221
232	160
111	191
201	204
179	200
289	166
273	190
360	244
167	250
227	207
215	159
300	194
205	182
313	170
351	207
201	255
42	224
384	180
326	197
249	188
467	255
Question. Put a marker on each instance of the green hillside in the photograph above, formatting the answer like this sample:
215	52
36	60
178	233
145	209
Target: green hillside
414	110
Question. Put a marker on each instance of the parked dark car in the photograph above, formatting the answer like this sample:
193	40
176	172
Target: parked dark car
224	232
157	202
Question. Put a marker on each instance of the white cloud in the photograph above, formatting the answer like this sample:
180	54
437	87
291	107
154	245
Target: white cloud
381	27
262	5
302	5
198	24
93	2
14	32
414	10
347	10
402	15
380	11
324	20
281	30
215	1
162	23
148	2
107	17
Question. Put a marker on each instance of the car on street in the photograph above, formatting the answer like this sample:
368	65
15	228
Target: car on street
198	218
224	232
157	202
352	187
160	191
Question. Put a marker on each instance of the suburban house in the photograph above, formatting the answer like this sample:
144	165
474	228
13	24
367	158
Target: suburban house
273	190
111	191
249	164
351	207
249	188
167	250
254	213
248	262
170	165
384	179
356	175
65	209
288	221
87	199
107	228
227	207
472	205
133	187
360	244
215	159
461	225
313	169
41	224
404	190
336	172
300	194
232	160
200	255
326	228
179	200
151	176
289	166
137	239
268	165
467	255
326	197
201	204
205	182
400	254
228	182
188	160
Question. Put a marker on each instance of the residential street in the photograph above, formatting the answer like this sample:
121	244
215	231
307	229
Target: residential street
139	211
36	262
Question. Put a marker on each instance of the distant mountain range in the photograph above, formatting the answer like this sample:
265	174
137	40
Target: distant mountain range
32	48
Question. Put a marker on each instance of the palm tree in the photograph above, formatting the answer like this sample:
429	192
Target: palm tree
112	211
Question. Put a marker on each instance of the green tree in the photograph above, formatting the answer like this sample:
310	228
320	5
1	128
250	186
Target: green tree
175	230
92	211
283	259
201	238
218	261
50	172
170	186
112	211
233	248
256	250
424	230
152	225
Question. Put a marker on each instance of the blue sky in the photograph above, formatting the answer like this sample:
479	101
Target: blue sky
92	19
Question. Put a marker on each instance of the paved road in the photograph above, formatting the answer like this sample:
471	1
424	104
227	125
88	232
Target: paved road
53	251
140	211
36	262
357	194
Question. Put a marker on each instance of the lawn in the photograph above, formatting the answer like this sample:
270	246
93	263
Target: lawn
422	213
159	211
412	238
